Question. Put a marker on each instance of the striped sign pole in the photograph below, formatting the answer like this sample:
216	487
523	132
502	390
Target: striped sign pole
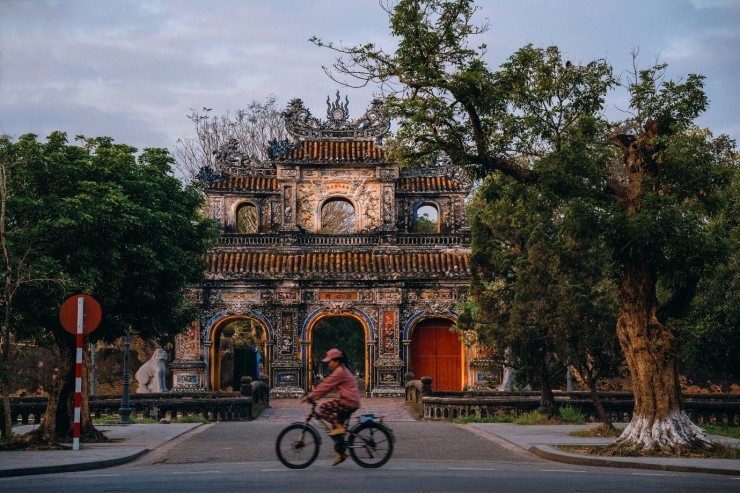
79	315
78	373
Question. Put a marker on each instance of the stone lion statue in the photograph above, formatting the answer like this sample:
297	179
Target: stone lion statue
151	374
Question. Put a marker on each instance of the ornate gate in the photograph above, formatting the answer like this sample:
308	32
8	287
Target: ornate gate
328	226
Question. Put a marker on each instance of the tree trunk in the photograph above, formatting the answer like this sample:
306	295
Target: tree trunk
7	418
56	424
548	399
659	421
591	383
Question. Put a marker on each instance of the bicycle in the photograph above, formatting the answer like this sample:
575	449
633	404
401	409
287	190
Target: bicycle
370	442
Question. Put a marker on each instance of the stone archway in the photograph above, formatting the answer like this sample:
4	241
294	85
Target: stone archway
343	332
438	353
358	332
238	348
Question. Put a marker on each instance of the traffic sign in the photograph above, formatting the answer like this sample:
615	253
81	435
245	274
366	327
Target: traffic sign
90	318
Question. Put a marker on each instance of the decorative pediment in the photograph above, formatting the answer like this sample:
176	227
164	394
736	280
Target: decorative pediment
302	125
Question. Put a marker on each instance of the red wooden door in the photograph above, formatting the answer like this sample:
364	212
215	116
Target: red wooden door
437	352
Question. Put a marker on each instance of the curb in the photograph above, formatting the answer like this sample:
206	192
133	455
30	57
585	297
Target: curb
80	466
553	454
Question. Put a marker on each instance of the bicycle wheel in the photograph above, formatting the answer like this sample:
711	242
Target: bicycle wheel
297	446
370	444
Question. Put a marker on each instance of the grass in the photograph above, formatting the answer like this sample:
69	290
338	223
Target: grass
725	431
567	415
597	431
717	452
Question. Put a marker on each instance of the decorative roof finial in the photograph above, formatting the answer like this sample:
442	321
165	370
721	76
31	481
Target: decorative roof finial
337	112
301	125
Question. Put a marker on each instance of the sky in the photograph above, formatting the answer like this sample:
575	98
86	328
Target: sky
133	69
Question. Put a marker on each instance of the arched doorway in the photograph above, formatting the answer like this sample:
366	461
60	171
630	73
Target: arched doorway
238	349
341	331
438	353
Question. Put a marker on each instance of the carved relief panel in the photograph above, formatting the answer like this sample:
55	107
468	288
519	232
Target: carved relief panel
389	333
217	211
287	337
317	186
187	343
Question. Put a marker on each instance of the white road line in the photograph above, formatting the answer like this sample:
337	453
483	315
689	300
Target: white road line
561	470
648	474
83	475
470	469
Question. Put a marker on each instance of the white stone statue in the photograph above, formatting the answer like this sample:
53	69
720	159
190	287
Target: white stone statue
151	374
507	382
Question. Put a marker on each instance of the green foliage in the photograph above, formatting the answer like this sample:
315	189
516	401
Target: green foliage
95	218
579	221
533	418
710	350
497	418
118	227
571	415
425	225
345	333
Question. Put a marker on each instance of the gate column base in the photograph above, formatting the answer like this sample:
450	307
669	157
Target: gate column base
188	375
286	380
388	378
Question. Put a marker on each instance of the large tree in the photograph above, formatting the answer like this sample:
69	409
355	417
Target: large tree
119	227
537	294
648	198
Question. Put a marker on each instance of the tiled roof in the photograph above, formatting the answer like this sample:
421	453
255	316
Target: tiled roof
337	263
430	184
247	183
336	150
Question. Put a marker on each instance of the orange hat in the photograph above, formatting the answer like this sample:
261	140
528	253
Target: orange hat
331	354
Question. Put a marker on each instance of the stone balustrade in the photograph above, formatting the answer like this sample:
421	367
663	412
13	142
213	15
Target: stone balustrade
318	240
702	408
213	406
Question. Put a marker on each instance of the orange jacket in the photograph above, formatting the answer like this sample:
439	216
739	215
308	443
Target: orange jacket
344	382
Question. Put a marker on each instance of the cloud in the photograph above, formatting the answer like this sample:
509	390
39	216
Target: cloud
133	69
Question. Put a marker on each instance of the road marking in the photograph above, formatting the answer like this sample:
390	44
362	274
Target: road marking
648	474
470	469
81	474
561	470
201	472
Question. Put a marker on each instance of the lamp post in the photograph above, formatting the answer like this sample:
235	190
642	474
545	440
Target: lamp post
125	410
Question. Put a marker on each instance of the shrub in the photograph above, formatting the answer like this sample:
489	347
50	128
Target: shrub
571	415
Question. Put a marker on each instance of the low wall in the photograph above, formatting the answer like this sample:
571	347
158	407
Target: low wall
213	406
427	404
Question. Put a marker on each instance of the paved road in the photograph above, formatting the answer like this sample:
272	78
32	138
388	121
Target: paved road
415	440
429	456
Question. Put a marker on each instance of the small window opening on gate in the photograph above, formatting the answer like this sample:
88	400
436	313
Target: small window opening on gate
337	217
426	218
247	218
